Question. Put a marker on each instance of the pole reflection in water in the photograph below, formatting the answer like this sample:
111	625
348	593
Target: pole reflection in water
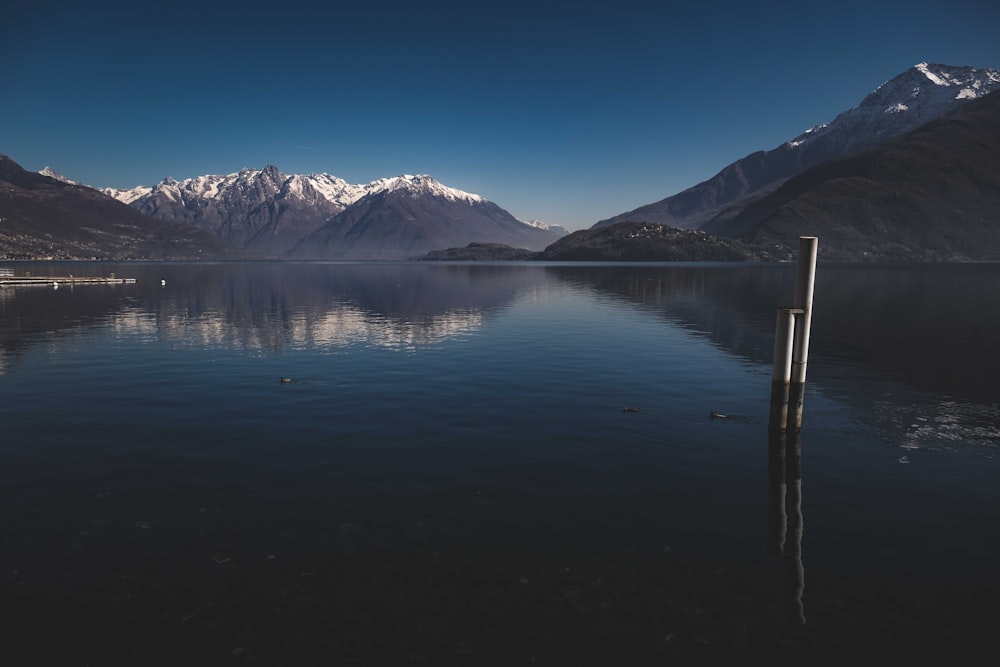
785	495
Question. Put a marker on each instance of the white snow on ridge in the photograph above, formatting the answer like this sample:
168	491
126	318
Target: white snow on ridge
545	227
805	136
538	224
905	102
169	188
421	183
51	173
924	68
968	77
327	186
130	195
312	188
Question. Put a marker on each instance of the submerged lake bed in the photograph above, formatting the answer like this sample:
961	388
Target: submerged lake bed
447	473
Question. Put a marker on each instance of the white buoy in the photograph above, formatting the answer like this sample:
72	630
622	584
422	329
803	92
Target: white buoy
55	285
163	282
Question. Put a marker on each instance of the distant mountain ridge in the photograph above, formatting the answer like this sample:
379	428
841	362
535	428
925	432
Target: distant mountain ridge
48	171
929	192
931	195
42	216
917	96
408	216
262	211
273	214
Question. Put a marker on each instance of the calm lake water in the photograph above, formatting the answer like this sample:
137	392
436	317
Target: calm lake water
443	406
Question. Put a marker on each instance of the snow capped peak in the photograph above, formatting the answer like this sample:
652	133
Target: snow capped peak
310	215
51	173
933	84
799	140
257	185
316	187
420	184
128	196
545	227
537	224
936	79
918	95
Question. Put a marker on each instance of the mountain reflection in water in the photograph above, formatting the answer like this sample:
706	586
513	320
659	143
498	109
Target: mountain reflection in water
271	307
882	318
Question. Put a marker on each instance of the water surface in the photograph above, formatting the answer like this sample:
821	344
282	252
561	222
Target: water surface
476	406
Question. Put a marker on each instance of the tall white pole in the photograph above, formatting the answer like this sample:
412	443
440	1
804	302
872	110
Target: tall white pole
784	337
805	280
791	344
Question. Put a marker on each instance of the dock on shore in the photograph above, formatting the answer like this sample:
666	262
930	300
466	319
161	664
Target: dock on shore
22	281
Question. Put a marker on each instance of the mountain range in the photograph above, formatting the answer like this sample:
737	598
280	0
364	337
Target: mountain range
41	216
915	97
910	174
931	195
320	216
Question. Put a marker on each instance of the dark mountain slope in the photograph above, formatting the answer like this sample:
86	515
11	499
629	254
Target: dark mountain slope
408	222
263	211
931	195
649	242
44	217
913	98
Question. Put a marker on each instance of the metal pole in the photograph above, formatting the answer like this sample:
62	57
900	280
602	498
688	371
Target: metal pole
784	337
804	283
791	344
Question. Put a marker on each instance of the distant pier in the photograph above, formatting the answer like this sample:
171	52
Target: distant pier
8	280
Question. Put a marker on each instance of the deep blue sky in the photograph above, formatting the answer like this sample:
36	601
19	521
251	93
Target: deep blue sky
568	113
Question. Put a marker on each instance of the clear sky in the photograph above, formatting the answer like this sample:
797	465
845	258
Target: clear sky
565	112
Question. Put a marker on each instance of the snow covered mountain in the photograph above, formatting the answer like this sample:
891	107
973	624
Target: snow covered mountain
408	216
51	173
542	225
919	95
930	195
46	215
263	211
269	213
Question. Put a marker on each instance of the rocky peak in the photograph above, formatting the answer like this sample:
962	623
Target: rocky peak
914	98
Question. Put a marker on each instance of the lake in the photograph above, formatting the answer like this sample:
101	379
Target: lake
386	463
